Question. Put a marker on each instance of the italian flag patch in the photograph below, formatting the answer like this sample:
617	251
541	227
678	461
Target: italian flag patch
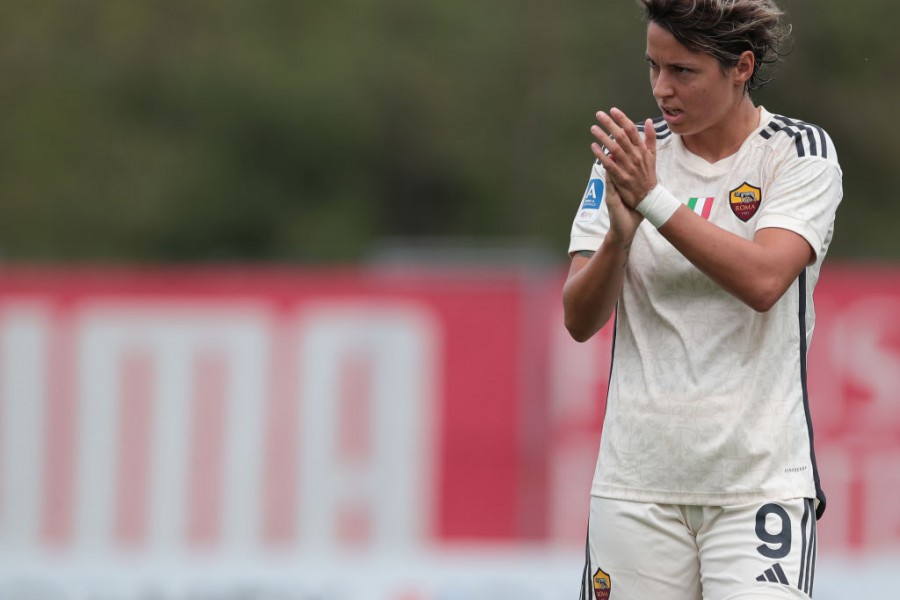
701	206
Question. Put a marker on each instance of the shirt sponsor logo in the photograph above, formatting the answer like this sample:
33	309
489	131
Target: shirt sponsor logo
602	585
745	201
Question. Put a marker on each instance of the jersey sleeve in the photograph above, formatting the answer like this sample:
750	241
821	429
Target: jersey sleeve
592	219
803	198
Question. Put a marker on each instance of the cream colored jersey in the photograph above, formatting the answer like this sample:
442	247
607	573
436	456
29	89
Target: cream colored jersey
707	400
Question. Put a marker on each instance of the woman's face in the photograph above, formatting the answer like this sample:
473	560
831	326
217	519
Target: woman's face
693	91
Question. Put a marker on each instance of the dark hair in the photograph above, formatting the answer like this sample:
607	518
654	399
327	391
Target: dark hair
724	29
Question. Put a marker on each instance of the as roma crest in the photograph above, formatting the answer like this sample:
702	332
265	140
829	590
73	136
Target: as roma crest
745	201
602	585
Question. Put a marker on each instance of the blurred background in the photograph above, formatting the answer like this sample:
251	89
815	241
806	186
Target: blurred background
279	294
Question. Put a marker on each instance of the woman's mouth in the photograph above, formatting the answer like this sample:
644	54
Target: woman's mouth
671	115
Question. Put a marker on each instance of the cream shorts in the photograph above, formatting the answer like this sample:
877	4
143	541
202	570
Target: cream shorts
643	551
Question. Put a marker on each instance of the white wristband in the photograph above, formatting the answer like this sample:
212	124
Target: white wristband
658	206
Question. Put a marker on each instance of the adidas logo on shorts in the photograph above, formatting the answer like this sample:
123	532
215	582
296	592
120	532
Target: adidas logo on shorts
775	575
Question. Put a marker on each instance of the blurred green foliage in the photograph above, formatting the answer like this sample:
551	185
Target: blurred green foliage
303	131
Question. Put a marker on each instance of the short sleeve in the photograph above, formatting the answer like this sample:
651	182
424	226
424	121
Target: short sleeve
592	219
803	198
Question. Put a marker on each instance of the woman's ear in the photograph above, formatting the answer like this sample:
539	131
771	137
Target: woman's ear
743	70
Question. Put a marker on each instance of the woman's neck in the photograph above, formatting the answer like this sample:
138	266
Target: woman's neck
721	141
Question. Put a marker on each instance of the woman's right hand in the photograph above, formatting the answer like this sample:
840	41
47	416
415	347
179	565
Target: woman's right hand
623	220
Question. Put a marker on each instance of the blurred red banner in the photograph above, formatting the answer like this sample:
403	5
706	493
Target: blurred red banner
231	409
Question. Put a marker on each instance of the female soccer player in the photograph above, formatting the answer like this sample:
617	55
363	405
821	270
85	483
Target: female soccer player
704	230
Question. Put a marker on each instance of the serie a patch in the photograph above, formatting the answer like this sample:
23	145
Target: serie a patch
593	198
602	584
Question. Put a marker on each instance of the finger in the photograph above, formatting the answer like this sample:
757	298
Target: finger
609	150
605	159
612	168
606	144
609	125
627	126
602	136
650	136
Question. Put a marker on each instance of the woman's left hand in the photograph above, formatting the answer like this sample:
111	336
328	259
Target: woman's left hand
629	160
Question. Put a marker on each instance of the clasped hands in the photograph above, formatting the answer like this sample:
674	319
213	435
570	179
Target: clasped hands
629	159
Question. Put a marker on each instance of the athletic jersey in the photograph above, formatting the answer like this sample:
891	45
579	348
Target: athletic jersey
707	401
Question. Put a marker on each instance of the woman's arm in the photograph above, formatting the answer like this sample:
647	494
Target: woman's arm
756	271
595	280
592	289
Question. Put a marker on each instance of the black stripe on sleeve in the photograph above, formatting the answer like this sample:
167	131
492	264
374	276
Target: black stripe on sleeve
659	126
799	128
809	139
